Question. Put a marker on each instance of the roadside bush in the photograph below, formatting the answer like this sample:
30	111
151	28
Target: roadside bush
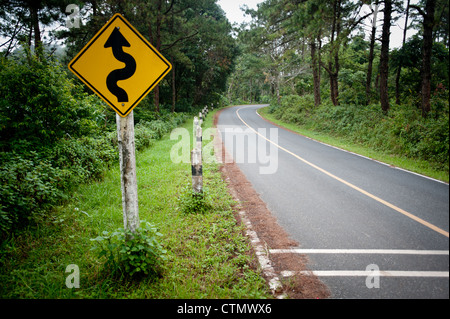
82	159
294	109
135	254
33	182
402	132
28	187
54	136
40	104
191	202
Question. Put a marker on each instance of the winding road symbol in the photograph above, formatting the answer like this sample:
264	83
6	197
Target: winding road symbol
117	41
120	65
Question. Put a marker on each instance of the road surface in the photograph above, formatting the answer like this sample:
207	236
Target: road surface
368	229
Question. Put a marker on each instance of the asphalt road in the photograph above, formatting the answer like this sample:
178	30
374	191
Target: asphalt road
369	230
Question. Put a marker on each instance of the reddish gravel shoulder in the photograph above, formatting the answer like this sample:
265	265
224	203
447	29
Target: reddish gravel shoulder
271	233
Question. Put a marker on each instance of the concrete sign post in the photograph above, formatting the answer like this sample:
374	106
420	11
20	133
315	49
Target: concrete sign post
127	158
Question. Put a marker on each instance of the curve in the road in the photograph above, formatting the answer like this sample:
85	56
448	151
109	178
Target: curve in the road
378	199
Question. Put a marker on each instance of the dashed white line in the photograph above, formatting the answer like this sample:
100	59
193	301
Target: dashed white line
359	251
364	273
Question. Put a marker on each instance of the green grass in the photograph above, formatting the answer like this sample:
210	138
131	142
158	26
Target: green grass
207	254
414	165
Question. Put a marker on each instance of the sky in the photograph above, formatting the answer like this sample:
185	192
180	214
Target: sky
236	15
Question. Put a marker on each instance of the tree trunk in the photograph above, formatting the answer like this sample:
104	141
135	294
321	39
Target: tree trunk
174	91
38	49
371	53
399	70
334	53
157	44
384	57
428	24
316	74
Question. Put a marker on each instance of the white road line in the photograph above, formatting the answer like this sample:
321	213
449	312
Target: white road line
359	251
362	273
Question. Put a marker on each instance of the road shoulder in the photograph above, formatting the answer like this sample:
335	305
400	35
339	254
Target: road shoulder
271	236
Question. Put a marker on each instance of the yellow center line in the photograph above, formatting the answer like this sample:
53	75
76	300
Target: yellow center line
362	191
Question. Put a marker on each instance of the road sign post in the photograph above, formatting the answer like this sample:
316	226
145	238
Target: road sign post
122	67
127	158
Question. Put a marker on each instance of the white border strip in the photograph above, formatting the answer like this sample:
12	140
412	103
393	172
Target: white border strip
359	251
381	273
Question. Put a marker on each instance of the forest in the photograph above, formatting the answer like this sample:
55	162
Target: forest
55	133
329	66
324	64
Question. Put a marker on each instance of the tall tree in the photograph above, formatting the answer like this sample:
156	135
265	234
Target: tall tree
27	16
428	25
344	18
371	50
384	56
333	59
311	25
399	68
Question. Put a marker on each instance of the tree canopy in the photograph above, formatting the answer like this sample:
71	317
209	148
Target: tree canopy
194	35
327	48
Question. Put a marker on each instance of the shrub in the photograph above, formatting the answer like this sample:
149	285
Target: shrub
402	132
40	104
28	187
82	159
42	110
191	202
294	109
134	254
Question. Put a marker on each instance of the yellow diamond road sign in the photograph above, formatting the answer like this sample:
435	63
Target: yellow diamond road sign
120	65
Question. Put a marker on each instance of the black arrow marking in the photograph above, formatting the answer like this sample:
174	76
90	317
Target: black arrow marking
116	41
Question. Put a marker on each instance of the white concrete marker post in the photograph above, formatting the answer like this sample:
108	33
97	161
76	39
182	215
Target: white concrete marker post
196	162
127	158
197	171
198	138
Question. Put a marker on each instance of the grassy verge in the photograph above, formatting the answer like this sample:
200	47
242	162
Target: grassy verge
418	166
207	254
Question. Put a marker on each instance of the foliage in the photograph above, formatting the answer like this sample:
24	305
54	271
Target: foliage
33	182
39	105
192	202
53	138
321	47
135	254
293	108
403	131
208	255
193	35
28	187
